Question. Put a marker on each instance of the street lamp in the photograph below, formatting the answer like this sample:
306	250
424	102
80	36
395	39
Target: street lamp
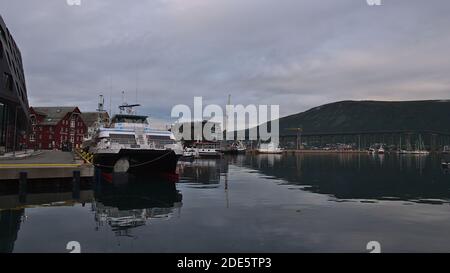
299	136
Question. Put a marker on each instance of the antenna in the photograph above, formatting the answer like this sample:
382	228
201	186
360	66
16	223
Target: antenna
128	108
137	81
110	96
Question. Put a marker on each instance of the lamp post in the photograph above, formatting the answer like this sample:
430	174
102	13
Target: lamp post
299	136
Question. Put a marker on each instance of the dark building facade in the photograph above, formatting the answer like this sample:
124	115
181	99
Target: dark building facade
14	118
55	128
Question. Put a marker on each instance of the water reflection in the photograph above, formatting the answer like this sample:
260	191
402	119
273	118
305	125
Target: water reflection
360	176
124	202
212	195
203	173
121	202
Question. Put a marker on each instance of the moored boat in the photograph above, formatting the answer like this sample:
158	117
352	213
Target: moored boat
190	153
207	148
130	145
269	148
236	147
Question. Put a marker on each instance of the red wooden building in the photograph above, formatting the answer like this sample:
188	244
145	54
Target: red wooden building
60	128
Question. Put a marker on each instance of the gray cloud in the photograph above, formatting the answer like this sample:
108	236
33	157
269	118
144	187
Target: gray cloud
296	53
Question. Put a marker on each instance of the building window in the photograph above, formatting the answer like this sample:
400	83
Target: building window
72	123
8	80
1	50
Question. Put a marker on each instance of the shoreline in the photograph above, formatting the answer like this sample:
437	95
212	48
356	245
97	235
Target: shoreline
337	152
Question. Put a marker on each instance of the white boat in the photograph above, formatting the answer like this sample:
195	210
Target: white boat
129	144
190	153
269	148
381	151
207	149
446	150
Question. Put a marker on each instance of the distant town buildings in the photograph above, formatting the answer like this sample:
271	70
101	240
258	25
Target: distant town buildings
61	128
14	118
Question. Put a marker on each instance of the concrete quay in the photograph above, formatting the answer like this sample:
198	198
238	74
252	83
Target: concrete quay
47	164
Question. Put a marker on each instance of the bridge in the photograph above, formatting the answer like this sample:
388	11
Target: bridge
433	140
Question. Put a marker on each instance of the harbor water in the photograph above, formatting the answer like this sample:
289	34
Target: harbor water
249	203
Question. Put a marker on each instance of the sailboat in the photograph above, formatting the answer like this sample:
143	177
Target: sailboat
400	151
420	147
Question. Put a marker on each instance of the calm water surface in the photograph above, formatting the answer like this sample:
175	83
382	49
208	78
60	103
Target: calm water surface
267	203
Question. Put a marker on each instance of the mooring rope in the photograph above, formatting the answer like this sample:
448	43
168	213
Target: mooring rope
137	165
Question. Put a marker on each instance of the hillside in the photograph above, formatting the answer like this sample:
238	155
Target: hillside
370	116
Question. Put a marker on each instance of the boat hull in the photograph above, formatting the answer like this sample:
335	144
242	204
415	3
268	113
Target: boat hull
142	161
209	154
233	152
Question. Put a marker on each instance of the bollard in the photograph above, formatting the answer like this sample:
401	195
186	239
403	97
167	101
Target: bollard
76	185
23	187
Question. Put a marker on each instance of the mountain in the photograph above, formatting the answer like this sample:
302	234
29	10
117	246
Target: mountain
371	116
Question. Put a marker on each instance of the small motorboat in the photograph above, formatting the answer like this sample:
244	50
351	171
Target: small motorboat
190	153
445	165
381	151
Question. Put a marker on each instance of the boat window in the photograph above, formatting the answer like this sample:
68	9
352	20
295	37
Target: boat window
123	139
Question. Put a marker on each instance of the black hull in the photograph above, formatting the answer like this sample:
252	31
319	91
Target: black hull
141	161
234	152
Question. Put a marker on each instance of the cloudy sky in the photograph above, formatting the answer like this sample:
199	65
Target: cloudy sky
295	53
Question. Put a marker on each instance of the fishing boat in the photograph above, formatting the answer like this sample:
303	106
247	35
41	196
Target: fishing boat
445	165
269	148
130	145
381	151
